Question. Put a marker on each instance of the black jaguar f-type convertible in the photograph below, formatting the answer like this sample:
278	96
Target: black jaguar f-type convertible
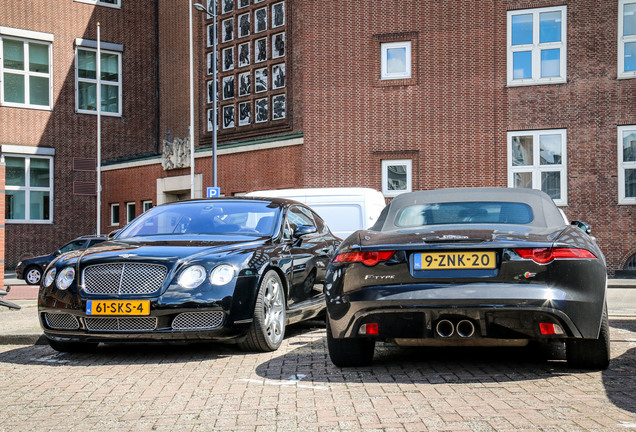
219	269
469	267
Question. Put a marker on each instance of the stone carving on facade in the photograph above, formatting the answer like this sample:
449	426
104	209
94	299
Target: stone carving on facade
176	154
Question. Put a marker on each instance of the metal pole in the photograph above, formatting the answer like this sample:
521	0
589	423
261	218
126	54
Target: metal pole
98	96
214	97
191	128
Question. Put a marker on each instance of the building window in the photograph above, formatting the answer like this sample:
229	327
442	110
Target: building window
147	205
29	188
627	164
627	39
130	211
278	14
245	113
261	110
397	176
278	76
228	6
279	107
228	116
537	46
395	61
244	54
278	45
537	160
25	72
228	58
260	20
244	84
260	80
260	50
228	87
114	214
244	25
228	30
86	81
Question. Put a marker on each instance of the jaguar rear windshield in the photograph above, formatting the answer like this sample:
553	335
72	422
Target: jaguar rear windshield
464	213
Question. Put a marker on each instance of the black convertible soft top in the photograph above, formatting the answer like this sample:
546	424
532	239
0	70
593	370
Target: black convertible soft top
546	213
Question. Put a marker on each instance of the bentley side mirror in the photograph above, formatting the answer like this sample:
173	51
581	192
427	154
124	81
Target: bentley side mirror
582	225
113	234
303	230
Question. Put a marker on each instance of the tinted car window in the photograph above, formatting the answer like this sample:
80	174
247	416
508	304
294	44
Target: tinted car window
74	245
222	217
464	213
297	216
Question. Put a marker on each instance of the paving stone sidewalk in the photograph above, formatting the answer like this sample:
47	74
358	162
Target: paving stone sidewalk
212	387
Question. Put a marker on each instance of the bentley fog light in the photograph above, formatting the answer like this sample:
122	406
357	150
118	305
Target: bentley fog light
65	278
192	277
222	274
50	277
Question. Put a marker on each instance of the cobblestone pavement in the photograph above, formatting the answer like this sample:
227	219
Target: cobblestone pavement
216	387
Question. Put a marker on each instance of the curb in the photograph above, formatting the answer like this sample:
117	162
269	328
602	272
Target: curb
23	339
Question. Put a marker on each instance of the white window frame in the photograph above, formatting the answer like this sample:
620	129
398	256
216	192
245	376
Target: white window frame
114	222
622	166
146	205
384	74
33	153
622	40
536	48
536	168
26	36
101	3
128	206
88	46
408	164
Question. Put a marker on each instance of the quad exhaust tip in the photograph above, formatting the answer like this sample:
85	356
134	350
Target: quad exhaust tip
446	328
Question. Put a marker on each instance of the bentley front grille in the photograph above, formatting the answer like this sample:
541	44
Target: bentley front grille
121	324
198	320
61	321
123	278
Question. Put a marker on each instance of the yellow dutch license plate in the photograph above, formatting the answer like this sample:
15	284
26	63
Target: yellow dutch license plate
118	307
455	260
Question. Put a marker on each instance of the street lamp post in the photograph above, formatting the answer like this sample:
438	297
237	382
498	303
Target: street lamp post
201	8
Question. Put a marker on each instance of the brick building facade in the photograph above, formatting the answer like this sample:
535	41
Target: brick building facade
422	95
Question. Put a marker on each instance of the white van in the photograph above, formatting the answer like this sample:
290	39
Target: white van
344	209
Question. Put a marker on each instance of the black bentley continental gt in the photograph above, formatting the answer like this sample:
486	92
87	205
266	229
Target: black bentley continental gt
469	267
225	269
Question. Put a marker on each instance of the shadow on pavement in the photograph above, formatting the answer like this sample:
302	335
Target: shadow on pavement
620	379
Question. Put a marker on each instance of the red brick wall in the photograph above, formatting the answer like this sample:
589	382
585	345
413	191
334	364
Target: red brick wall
74	135
2	225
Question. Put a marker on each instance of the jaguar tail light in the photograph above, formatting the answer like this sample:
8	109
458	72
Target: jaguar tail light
548	329
368	258
546	255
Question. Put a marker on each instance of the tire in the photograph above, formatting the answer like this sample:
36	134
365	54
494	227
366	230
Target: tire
268	326
349	352
592	354
73	347
33	275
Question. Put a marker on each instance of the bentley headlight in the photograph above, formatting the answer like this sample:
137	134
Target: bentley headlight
222	274
192	277
65	278
50	277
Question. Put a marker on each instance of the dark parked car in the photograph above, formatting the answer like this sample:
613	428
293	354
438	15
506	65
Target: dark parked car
471	266
31	269
226	269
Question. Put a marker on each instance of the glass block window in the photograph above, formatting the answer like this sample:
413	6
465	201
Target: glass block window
260	20
228	87
244	54
253	66
537	160
244	84
244	25
25	71
244	113
86	81
29	188
260	80
627	39
279	106
627	164
537	46
227	27
395	61
228	116
261	110
278	14
397	176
